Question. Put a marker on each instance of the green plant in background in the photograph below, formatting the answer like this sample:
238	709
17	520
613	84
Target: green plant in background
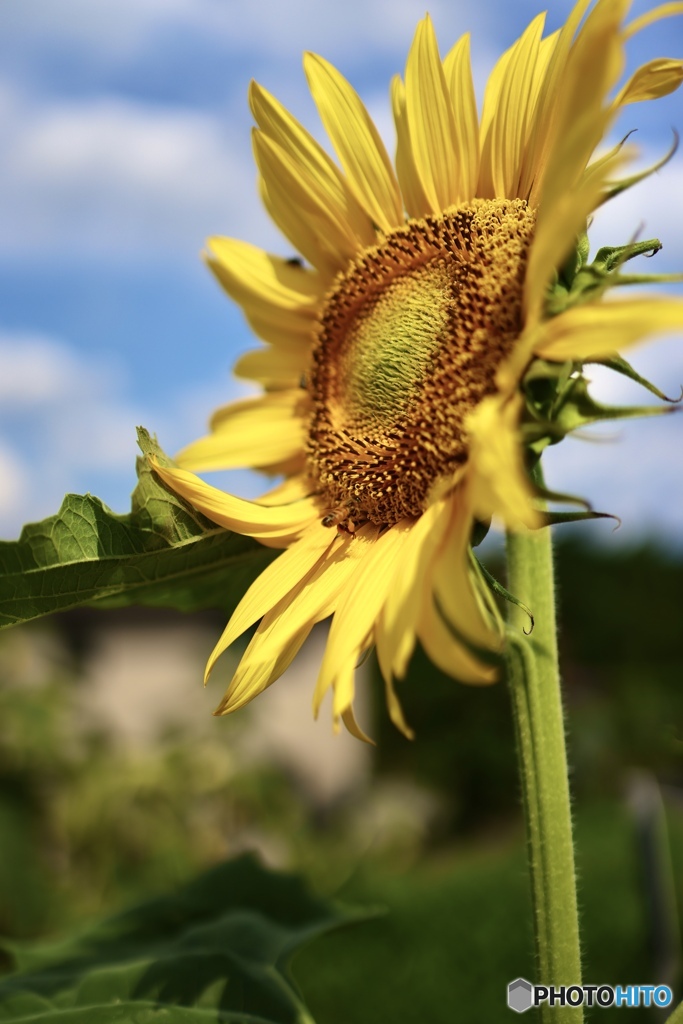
413	375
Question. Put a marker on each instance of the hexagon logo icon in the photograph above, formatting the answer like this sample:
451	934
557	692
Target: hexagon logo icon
520	995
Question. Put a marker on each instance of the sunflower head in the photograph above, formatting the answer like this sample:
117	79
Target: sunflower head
427	345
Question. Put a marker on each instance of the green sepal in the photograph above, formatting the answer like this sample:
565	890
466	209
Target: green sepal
620	365
591	280
557	518
620	186
498	589
559	402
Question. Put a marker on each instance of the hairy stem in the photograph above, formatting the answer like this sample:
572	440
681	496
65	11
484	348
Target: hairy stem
533	676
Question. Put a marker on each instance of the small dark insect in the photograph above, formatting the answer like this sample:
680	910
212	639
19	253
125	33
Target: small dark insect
294	261
339	517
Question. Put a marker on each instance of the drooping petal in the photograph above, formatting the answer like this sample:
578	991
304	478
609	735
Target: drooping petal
278	580
499	483
255	432
458	601
595	330
253	677
450	654
278	124
276	526
359	606
431	121
311	601
414	196
409	589
352	726
357	142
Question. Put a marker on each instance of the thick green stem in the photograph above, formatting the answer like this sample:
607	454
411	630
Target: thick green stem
535	687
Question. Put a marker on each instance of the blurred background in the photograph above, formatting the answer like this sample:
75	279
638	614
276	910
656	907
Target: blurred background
124	142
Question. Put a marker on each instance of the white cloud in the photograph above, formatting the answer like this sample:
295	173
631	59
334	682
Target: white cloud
68	425
632	470
122	31
116	179
14	483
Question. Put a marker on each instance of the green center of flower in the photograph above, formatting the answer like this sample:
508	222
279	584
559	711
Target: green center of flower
409	341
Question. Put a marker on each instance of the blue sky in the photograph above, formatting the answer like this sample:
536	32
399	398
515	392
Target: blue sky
124	142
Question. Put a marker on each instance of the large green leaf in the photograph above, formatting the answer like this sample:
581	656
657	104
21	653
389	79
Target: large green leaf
217	950
677	1016
161	553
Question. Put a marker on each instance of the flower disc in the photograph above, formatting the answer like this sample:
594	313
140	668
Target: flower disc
409	341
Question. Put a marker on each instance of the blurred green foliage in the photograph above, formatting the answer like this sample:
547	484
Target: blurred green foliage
621	616
87	825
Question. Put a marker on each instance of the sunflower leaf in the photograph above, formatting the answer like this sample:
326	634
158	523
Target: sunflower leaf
162	553
215	951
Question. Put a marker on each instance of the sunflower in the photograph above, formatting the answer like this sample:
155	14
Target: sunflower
396	404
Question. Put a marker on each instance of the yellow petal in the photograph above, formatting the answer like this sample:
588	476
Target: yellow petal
274	526
414	195
457	595
598	329
278	580
448	654
509	124
486	188
253	678
650	17
563	218
349	720
294	489
395	710
409	588
310	601
581	115
314	202
255	432
357	142
499	483
458	73
304	236
651	81
256	279
273	367
279	125
543	130
359	607
284	329
431	121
